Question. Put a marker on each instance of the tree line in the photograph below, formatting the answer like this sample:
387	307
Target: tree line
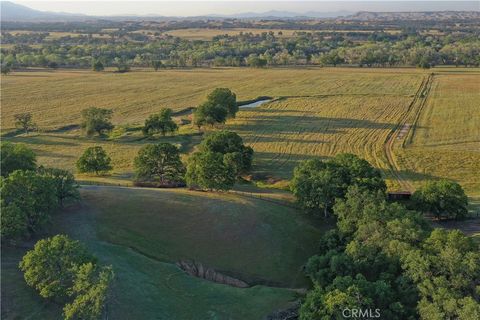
377	49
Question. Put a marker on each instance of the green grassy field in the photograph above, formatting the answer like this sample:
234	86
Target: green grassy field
215	229
142	233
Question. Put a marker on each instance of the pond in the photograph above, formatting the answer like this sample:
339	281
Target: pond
255	104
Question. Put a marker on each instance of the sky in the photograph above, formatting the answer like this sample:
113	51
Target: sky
196	8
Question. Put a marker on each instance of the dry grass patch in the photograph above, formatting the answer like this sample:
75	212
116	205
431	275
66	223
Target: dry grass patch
446	142
56	97
287	131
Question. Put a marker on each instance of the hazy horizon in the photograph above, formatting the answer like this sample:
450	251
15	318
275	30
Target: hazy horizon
197	8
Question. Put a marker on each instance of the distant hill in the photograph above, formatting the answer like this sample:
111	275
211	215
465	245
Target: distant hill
273	14
427	15
15	12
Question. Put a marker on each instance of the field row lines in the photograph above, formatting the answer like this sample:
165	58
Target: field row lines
413	113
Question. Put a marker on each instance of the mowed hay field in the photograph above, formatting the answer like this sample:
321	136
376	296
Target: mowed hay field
446	139
287	131
208	34
56	98
334	103
142	233
316	112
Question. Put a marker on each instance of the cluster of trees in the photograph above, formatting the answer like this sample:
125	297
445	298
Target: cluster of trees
59	268
316	183
220	104
443	199
412	46
30	194
220	160
63	271
98	121
383	258
160	163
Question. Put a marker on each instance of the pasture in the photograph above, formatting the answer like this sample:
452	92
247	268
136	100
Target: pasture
142	233
316	112
56	98
445	141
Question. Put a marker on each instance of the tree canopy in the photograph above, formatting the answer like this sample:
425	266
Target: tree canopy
317	183
160	123
90	289
208	170
221	104
384	256
24	121
209	113
16	156
94	160
222	157
444	199
62	270
66	188
329	43
96	120
446	270
229	144
51	266
97	65
29	197
160	162
14	222
226	98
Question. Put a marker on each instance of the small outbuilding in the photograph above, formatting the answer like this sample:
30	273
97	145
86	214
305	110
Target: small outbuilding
399	195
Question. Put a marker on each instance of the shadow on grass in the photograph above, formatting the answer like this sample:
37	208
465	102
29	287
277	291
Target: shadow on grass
64	129
411	175
312	124
43	139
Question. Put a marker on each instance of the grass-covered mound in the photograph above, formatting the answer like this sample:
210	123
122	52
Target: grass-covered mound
142	232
